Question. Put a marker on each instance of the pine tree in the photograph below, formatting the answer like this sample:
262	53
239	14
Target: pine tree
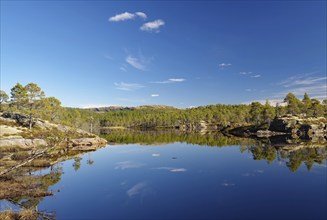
293	104
306	104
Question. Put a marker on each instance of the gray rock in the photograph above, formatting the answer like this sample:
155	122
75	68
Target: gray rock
22	142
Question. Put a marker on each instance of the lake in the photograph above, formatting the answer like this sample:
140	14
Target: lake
171	179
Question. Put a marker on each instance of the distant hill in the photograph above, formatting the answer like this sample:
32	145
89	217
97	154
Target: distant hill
129	108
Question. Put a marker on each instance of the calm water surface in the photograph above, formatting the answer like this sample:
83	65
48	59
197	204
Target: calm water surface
185	181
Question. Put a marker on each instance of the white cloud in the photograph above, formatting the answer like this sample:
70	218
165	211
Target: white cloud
128	86
127	16
153	25
123	69
311	83
154	95
302	79
122	17
173	80
135	62
177	170
176	80
245	73
224	65
127	165
136	189
171	169
256	76
250	90
317	91
141	15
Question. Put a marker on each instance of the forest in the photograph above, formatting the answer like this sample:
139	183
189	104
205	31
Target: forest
31	101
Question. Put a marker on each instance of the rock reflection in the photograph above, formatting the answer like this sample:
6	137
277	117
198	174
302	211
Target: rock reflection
293	153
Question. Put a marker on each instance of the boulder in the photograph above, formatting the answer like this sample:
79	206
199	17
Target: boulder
86	143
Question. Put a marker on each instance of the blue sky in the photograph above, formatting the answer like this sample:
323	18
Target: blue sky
185	53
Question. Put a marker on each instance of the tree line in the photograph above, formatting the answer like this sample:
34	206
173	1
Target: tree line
32	101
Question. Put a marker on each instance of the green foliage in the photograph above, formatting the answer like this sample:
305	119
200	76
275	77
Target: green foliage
316	109
30	99
3	97
307	104
256	113
293	104
52	108
268	113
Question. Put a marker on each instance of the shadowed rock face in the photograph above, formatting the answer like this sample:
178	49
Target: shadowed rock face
300	127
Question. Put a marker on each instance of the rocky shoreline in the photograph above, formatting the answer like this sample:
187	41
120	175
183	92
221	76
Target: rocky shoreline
294	126
42	145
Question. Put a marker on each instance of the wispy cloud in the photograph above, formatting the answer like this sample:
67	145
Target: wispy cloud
154	95
302	79
227	184
171	169
256	76
315	91
136	189
152	26
127	165
128	86
173	80
224	65
123	69
250	90
127	16
250	74
135	62
312	83
245	73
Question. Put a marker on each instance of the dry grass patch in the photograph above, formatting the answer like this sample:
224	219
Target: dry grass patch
39	163
21	155
24	214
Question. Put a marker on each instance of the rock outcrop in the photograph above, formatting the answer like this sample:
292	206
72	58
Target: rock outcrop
85	139
22	142
86	144
304	128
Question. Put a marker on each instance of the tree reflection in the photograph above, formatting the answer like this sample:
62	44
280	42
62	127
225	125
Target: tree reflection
77	163
28	190
89	160
269	149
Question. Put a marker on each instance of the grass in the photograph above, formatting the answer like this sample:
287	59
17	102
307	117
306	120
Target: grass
11	149
21	155
8	123
25	186
39	163
24	214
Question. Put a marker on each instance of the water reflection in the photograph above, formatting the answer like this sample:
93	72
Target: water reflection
290	152
140	171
